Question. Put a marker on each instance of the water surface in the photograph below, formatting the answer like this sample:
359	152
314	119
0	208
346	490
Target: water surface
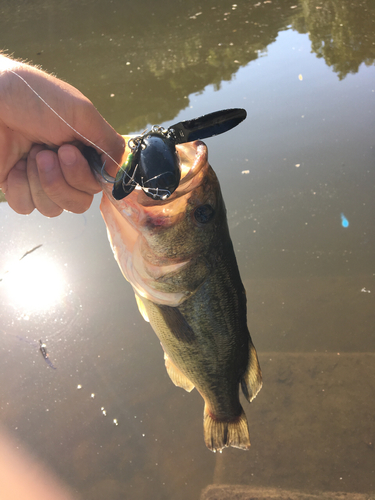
304	71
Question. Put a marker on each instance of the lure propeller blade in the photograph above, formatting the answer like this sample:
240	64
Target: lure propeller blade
206	126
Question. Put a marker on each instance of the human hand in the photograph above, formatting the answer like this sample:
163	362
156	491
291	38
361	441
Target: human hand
31	174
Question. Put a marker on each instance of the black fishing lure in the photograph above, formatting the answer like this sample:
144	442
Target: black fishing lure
153	163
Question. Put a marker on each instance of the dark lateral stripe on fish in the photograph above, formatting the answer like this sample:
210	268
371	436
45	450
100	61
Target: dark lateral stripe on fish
177	324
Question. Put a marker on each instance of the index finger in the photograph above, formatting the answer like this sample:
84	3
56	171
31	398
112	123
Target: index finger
76	170
58	189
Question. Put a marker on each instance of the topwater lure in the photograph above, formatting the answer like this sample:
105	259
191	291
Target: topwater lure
153	164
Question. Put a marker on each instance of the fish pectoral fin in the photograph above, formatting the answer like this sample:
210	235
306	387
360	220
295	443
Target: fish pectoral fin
177	377
142	308
251	382
177	324
219	434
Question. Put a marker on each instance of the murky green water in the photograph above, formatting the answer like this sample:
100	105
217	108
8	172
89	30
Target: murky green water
304	71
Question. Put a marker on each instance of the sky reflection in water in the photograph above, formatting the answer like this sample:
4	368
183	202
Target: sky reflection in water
309	281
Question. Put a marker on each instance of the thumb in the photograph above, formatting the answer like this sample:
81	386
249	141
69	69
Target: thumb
111	148
107	142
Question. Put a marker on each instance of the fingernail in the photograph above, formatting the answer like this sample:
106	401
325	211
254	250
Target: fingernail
67	156
45	160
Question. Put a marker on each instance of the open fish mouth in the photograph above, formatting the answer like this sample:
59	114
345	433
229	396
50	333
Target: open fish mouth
191	158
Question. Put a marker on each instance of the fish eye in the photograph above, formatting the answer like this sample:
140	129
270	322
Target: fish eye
204	214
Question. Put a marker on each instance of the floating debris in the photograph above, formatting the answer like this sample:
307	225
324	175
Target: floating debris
43	350
24	255
31	251
344	221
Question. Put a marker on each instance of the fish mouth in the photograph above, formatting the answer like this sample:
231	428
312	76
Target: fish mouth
193	158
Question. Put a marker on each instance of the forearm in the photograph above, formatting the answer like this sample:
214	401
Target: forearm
41	106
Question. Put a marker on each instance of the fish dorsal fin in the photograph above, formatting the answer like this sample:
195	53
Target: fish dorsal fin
142	308
251	382
177	377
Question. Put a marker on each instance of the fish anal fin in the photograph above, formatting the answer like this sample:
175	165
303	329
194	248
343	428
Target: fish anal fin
142	308
219	434
177	377
251	382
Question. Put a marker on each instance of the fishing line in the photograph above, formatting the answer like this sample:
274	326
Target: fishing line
61	118
104	174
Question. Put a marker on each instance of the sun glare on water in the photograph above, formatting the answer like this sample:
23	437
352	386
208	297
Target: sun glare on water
35	284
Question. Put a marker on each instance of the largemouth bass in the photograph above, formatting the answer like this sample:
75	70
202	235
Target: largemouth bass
178	256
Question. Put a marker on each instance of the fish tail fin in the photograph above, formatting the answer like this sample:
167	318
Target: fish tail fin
251	382
219	434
